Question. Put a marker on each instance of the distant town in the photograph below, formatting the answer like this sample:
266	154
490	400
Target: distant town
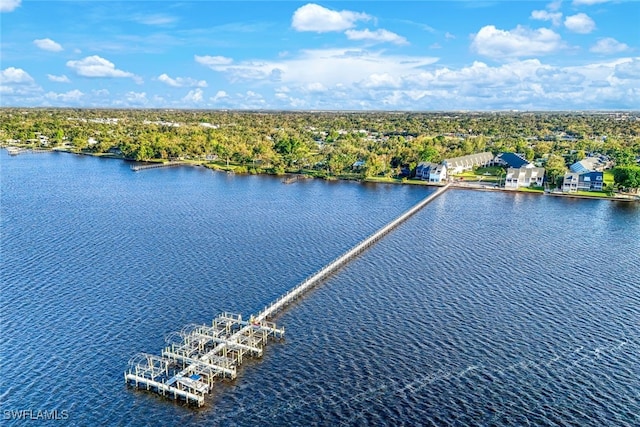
586	154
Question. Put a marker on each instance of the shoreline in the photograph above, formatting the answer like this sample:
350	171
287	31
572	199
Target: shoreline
289	175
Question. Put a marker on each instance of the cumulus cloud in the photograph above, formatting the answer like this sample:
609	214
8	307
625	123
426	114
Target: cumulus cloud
580	23
378	36
58	79
312	17
136	98
543	15
555	5
221	94
384	80
70	96
14	75
213	61
326	66
95	66
519	42
15	82
181	81
608	45
48	44
9	5
193	97
628	70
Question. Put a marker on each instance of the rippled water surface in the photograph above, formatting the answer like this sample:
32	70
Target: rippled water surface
483	309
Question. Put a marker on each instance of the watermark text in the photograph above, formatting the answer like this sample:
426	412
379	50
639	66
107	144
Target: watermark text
35	415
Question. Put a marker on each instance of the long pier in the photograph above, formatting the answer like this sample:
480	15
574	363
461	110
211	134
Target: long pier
199	354
137	168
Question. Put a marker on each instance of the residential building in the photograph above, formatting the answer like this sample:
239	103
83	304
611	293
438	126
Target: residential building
524	177
431	172
588	181
591	164
465	163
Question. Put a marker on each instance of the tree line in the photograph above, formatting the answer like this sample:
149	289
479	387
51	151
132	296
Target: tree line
330	143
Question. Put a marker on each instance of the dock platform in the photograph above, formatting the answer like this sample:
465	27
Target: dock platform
198	355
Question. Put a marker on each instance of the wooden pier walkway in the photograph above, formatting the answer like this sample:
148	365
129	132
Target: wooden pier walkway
137	168
199	354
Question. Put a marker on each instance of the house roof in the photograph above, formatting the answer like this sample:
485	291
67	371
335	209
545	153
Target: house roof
524	173
430	167
469	160
587	164
512	160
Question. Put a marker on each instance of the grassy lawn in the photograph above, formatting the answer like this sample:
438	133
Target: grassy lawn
607	178
531	189
491	170
490	174
384	179
591	193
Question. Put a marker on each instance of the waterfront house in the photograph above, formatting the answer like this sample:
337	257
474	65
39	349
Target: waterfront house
591	164
524	177
588	181
358	164
431	172
457	165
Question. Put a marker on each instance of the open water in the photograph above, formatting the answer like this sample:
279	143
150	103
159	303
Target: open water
483	309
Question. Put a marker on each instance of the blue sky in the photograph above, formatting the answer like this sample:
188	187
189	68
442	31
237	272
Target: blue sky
331	55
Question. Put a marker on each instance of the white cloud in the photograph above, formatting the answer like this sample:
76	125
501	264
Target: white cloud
48	44
326	66
212	61
221	94
70	96
136	98
628	70
384	80
543	15
580	23
554	5
379	35
58	79
449	36
181	81
14	75
608	45
312	17
519	42
9	5
588	2
15	82
193	97
315	87
95	66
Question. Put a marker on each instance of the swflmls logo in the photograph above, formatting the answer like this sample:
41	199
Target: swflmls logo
29	414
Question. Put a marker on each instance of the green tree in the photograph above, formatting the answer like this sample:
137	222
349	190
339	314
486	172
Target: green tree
555	168
624	157
429	154
627	177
